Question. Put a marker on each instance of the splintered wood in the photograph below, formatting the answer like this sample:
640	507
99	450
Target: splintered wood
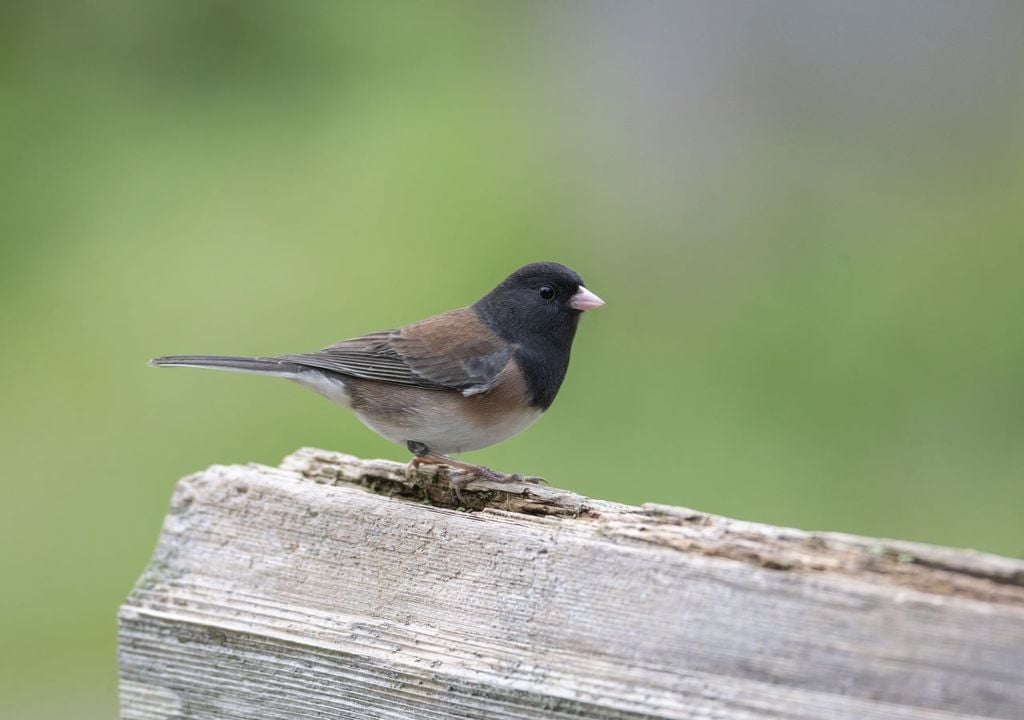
334	587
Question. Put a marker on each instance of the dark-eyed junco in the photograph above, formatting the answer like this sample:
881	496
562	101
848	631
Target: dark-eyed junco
455	382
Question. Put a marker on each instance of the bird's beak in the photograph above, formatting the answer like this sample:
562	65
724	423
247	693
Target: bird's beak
583	299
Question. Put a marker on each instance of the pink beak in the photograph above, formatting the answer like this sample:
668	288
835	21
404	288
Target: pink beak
585	300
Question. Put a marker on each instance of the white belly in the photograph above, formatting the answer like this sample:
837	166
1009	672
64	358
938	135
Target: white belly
446	422
451	432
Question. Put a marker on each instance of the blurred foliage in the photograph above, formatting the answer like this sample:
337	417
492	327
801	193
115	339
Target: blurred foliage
814	287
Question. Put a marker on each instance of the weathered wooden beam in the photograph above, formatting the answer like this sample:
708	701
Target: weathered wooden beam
332	587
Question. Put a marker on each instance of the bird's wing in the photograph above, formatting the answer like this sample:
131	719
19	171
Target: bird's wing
451	351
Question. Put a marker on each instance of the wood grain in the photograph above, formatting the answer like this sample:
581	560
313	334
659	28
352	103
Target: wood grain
333	587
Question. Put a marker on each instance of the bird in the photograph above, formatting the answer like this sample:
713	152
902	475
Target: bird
459	381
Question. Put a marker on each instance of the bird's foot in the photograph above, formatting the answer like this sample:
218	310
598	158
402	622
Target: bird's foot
473	473
412	468
460	474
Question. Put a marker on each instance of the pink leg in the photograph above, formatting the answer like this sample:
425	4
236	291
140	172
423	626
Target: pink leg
468	471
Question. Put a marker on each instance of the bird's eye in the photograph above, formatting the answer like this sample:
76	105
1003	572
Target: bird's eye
547	292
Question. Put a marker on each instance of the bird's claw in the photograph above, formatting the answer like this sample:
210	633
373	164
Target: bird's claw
531	479
527	479
468	474
460	481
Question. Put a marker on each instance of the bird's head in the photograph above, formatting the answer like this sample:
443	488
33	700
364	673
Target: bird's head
540	300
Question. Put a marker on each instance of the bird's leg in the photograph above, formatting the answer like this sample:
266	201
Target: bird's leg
422	455
419	457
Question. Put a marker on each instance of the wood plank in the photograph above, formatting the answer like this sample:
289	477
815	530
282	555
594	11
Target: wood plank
333	587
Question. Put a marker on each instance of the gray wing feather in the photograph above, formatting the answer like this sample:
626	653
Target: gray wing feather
392	357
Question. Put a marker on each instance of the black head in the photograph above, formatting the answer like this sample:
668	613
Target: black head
538	308
534	302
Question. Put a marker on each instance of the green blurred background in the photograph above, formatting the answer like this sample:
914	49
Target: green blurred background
807	220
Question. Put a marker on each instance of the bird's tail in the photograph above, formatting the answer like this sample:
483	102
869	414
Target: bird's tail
257	365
